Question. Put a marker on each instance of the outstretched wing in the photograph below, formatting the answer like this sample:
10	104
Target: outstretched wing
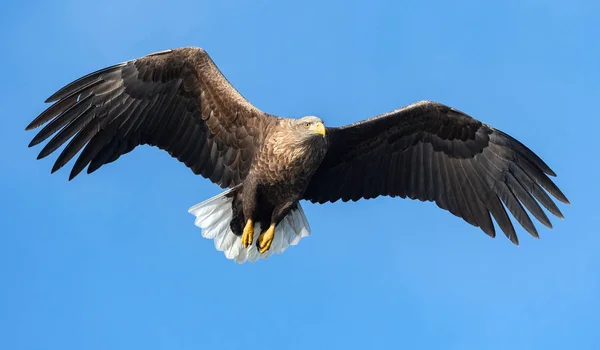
177	100
431	152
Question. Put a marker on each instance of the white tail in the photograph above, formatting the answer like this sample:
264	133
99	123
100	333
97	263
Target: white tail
214	215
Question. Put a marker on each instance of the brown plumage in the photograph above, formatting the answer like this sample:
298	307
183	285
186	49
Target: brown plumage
179	101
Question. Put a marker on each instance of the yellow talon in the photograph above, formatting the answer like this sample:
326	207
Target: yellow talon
265	239
248	234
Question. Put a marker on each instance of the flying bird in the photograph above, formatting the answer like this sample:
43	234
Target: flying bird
179	101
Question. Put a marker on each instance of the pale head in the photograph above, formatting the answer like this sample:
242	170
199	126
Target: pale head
311	124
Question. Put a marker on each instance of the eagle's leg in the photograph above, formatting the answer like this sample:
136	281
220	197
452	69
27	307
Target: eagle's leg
248	234
249	204
266	238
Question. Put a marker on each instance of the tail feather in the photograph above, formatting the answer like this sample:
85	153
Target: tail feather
214	215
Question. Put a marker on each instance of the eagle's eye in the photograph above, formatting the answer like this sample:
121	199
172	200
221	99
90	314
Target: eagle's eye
307	125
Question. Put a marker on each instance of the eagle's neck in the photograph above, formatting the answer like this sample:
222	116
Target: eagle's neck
292	157
297	152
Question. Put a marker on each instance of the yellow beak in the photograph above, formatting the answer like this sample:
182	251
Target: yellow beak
319	128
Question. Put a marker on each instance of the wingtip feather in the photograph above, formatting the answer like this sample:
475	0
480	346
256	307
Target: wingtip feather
32	143
42	154
73	174
31	126
52	98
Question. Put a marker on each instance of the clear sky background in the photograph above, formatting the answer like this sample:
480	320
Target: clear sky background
114	261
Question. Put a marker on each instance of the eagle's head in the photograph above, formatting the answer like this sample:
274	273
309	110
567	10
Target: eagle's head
305	135
310	126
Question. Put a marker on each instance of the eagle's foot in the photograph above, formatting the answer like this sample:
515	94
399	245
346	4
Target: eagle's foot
265	239
248	234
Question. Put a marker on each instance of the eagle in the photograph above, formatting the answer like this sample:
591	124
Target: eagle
179	101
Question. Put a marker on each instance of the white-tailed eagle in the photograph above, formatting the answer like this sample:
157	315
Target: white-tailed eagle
179	101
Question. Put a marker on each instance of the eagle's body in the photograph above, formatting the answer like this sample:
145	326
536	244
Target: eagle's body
272	188
179	101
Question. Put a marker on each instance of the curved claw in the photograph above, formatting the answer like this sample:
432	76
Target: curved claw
265	239
248	234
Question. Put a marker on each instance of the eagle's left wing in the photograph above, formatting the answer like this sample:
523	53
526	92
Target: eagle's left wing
432	152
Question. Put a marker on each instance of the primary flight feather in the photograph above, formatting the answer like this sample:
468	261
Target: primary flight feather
179	101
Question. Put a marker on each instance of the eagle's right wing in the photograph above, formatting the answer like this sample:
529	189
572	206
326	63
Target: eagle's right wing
177	100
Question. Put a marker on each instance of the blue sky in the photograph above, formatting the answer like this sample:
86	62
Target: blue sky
114	261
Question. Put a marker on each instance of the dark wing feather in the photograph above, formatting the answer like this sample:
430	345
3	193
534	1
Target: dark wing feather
431	152
177	100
